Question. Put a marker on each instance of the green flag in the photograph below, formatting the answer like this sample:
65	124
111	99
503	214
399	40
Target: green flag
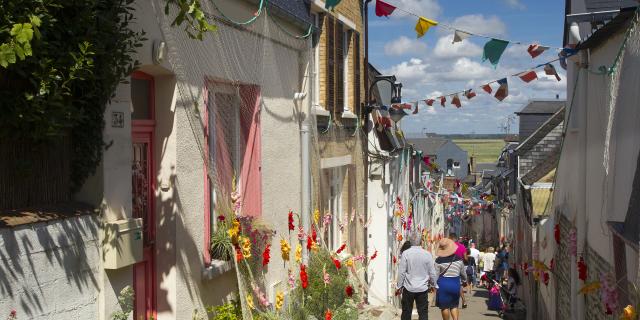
331	4
493	50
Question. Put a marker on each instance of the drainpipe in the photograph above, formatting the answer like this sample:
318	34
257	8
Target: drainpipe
305	140
366	137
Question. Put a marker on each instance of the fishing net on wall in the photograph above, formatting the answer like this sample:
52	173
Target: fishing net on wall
238	128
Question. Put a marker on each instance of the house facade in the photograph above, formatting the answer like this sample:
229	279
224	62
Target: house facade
450	158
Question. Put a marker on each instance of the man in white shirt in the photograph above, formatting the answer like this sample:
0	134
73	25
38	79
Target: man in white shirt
415	272
475	253
487	259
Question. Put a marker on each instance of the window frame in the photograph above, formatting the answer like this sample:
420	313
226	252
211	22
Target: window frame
346	41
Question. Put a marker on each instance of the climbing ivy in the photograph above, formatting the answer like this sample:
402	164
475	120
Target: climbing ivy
60	63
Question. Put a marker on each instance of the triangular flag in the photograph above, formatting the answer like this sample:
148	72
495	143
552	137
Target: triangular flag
460	35
493	50
331	4
469	94
487	88
550	70
456	101
415	111
528	76
536	50
442	101
423	26
429	102
384	9
401	106
503	90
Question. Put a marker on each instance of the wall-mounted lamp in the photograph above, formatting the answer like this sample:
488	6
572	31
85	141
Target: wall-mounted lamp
158	51
299	96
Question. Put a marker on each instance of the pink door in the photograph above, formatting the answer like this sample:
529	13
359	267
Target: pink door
143	186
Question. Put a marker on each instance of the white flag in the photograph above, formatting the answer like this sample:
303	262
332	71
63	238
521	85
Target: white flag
460	35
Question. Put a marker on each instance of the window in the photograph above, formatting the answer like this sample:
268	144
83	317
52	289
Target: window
449	167
232	139
316	61
334	205
345	70
456	165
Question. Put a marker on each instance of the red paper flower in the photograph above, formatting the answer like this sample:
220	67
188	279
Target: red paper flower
309	243
556	233
221	218
552	264
344	245
582	269
545	277
337	263
291	226
328	315
394	259
239	255
314	235
303	276
525	268
266	255
375	254
349	291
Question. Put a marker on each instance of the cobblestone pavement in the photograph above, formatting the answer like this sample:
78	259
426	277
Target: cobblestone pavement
476	310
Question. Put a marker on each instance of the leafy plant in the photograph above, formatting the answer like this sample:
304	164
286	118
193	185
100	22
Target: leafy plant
125	299
190	14
228	311
221	246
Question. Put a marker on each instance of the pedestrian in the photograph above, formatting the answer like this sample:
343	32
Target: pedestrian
470	269
406	245
461	252
501	263
487	261
415	272
475	253
451	274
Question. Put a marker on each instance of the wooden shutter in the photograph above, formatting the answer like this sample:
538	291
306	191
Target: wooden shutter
339	65
330	52
356	72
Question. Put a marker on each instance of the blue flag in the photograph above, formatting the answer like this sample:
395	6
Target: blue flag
493	50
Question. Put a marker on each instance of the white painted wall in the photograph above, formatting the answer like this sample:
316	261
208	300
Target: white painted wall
51	270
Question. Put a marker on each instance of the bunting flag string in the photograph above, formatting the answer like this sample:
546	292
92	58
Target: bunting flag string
493	49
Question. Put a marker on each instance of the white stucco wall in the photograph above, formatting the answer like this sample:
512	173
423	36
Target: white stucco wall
51	270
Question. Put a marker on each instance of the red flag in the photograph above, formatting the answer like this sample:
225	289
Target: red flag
550	70
442	101
536	50
401	106
469	94
456	101
384	9
429	102
503	90
528	76
415	111
487	88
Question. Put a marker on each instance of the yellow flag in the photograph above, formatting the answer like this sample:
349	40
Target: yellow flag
423	26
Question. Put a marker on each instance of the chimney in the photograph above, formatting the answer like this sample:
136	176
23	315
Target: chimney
557	96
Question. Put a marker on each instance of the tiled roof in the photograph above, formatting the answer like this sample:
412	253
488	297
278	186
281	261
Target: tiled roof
539	134
542	107
428	146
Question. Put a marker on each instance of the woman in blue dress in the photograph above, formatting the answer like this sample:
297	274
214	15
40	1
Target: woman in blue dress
451	273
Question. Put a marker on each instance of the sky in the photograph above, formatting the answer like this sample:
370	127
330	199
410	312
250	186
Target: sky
432	65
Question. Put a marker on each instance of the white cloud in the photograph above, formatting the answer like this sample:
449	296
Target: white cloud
464	69
478	23
546	82
427	8
404	45
409	71
515	4
447	50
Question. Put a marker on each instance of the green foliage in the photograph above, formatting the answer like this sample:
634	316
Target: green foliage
125	299
190	14
228	311
318	297
221	246
61	61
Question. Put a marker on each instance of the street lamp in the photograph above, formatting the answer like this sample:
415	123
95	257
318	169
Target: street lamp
396	97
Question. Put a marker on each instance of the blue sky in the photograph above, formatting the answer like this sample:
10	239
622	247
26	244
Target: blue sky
432	65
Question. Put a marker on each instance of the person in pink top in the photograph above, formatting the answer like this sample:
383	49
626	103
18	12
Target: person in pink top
461	252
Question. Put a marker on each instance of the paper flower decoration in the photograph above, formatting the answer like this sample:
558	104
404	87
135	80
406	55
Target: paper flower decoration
342	247
325	276
545	278
316	216
590	287
221	218
291	226
556	233
250	301
239	255
326	220
629	313
234	230
328	315
393	258
336	263
315	247
304	280
375	255
266	255
314	235
349	263
246	247
582	269
301	233
399	237
284	249
279	300
309	242
298	253
348	291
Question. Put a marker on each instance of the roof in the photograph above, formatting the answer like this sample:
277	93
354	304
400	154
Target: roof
604	33
603	5
542	132
428	146
542	107
489	167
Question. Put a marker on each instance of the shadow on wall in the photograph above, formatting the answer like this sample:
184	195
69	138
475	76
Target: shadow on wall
40	261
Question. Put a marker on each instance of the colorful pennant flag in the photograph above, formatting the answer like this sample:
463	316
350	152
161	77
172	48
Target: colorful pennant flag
443	99
503	90
331	4
415	111
536	50
384	9
456	101
550	70
429	102
423	26
493	51
487	88
458	36
528	76
469	94
401	106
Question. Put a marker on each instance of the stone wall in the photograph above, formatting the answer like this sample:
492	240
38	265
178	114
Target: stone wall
596	265
562	271
50	270
541	150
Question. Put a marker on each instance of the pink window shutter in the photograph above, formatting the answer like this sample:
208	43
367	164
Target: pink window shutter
251	177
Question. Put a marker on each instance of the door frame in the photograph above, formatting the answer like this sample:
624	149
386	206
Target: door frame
144	131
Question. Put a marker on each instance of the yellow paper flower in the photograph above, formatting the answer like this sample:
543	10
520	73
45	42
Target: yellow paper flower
298	253
629	313
234	230
246	247
316	216
250	302
279	300
590	287
285	249
349	262
315	247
